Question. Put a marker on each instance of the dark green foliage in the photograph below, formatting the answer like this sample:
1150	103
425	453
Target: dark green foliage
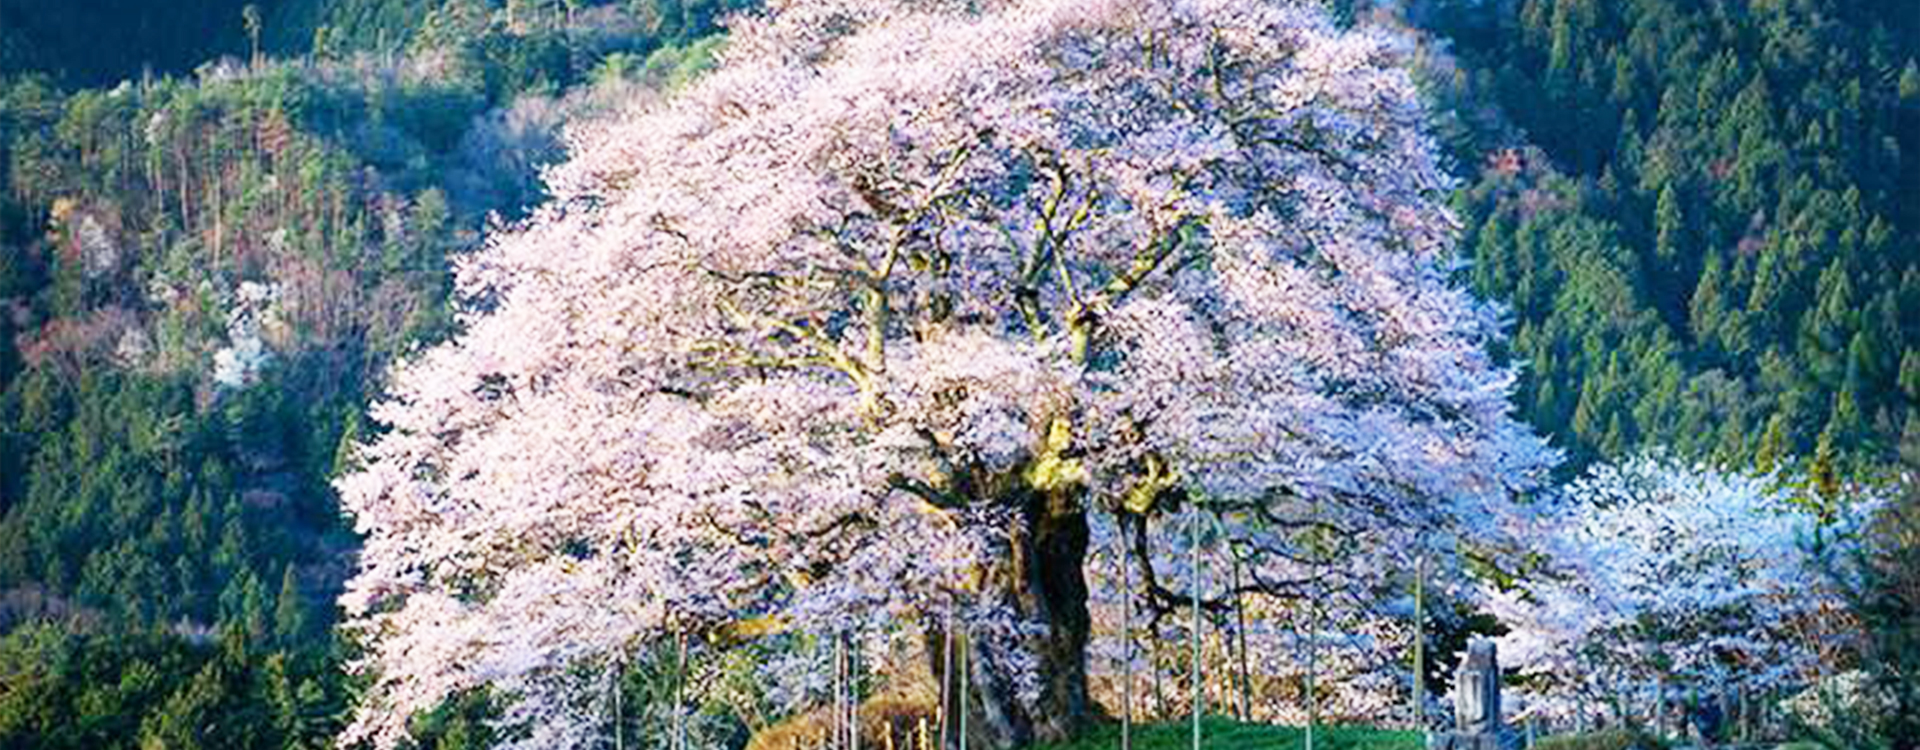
139	493
289	609
460	723
1716	235
329	28
116	461
498	48
100	42
70	688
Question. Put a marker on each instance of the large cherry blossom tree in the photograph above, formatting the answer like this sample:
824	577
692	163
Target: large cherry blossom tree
876	323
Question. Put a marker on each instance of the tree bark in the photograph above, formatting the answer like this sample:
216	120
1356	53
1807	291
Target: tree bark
1039	576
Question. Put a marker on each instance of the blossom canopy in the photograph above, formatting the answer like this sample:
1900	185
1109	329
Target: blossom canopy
865	323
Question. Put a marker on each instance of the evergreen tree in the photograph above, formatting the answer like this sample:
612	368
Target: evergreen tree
1759	192
290	609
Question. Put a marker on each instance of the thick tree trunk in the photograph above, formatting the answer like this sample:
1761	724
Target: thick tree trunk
1040	577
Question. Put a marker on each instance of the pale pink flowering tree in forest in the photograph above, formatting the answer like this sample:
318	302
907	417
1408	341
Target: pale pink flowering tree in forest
874	324
1657	571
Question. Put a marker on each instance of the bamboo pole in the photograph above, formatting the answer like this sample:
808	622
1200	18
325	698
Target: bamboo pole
1153	662
1193	634
1660	707
966	663
680	696
946	680
1126	641
1240	636
1313	667
1420	646
1746	714
839	723
853	691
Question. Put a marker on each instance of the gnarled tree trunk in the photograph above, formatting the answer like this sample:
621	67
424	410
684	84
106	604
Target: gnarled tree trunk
1040	577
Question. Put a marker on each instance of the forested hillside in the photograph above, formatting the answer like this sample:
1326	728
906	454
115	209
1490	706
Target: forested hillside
98	43
1702	214
203	276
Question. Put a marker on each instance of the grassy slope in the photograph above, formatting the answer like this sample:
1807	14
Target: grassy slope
1224	734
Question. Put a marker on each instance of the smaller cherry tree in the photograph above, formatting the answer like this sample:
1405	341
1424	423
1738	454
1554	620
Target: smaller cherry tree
1659	570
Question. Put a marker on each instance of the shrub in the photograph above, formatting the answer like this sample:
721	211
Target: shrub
1611	739
885	721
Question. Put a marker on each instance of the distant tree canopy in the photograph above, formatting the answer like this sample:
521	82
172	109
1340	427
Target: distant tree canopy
100	42
1716	245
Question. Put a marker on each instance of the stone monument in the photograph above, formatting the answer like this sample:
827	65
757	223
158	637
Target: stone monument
1708	717
1476	703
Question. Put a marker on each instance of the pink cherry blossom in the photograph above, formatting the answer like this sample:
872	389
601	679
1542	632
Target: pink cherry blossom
858	331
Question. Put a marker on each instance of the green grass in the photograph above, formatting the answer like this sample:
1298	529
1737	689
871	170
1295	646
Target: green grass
1615	739
1226	734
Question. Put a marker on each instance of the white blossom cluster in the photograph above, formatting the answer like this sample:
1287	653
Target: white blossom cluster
1664	572
1846	696
238	364
801	346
